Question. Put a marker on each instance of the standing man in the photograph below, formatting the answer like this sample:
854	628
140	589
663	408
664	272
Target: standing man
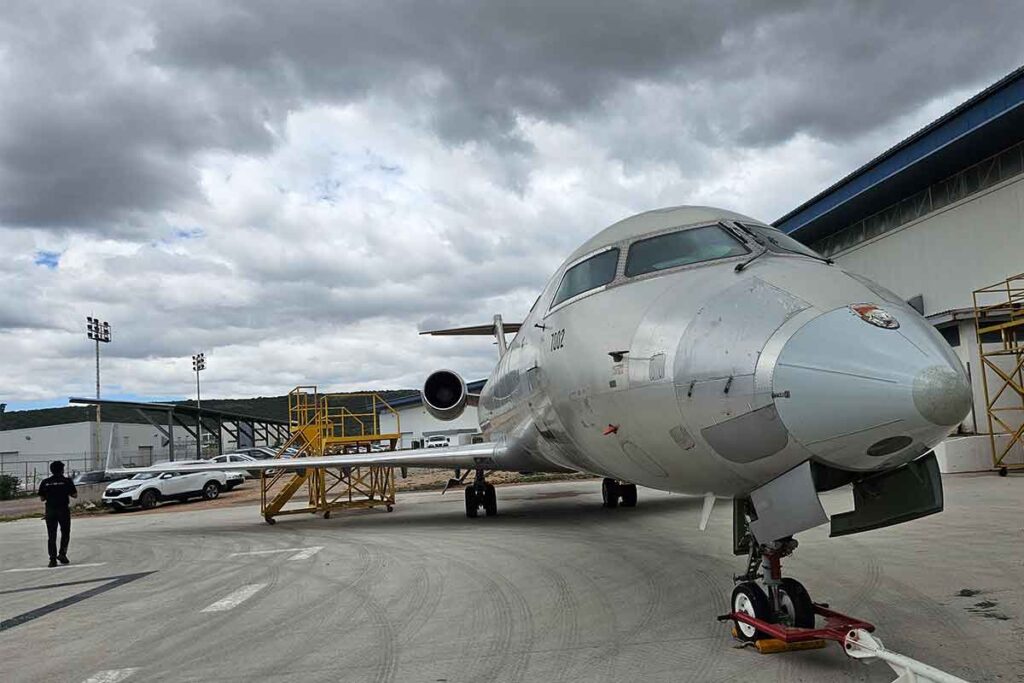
57	492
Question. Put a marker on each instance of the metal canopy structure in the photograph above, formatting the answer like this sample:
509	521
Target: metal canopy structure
246	430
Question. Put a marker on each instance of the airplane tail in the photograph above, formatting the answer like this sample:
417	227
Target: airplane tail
498	328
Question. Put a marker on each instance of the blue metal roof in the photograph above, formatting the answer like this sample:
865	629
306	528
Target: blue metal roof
980	127
473	387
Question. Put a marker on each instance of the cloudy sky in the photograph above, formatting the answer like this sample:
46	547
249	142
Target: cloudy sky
297	188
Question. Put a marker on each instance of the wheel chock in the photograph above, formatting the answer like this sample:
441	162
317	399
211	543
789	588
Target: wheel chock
771	646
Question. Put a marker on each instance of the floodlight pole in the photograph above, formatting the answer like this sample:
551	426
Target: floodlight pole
199	407
98	331
97	440
198	364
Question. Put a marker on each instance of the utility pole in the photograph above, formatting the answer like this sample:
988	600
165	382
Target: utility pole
199	364
99	331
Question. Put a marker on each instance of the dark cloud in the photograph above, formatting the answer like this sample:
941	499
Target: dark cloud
107	104
296	186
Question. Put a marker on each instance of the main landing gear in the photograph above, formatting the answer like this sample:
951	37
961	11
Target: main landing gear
613	491
480	494
782	601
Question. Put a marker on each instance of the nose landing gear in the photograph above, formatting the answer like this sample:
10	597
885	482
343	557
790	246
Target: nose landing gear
783	601
480	494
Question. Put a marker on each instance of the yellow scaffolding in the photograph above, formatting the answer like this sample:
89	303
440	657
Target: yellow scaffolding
999	309
331	424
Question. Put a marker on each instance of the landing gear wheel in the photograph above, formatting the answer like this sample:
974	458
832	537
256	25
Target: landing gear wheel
797	603
390	508
748	598
472	504
327	514
610	493
1003	471
490	501
270	520
628	492
148	500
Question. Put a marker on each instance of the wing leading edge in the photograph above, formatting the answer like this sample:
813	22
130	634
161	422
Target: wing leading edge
486	455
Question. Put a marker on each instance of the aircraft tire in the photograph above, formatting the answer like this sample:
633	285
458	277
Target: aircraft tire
748	598
490	501
798	602
472	504
610	493
628	495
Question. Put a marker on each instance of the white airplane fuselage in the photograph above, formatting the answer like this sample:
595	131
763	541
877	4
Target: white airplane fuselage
700	378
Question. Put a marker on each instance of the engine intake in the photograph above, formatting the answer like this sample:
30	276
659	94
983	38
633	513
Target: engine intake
445	394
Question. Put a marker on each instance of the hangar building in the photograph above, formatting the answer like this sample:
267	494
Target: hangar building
934	218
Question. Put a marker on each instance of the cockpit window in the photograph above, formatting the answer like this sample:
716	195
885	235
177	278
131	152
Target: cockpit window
780	242
586	275
681	248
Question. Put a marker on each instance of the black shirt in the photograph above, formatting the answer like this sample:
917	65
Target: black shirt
57	491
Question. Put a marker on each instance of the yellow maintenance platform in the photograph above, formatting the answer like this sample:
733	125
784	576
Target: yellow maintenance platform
999	324
331	424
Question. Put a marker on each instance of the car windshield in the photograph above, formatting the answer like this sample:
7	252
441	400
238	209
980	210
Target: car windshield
595	271
144	475
681	248
781	243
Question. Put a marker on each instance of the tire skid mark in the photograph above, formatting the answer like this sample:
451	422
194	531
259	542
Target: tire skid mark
563	603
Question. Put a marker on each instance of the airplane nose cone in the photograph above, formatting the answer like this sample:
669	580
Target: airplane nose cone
859	395
942	395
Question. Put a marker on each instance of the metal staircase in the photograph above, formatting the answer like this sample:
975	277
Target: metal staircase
331	424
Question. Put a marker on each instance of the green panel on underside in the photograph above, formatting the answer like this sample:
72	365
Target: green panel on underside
900	495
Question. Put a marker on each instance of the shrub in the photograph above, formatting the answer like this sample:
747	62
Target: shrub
8	486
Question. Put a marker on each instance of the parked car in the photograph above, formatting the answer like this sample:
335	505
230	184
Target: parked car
239	456
234	478
437	441
94	477
147	489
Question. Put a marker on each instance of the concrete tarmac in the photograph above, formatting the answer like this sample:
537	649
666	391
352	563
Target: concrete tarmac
555	588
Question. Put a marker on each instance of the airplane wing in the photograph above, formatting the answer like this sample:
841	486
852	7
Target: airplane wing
485	455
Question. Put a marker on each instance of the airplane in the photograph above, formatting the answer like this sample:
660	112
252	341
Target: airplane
699	351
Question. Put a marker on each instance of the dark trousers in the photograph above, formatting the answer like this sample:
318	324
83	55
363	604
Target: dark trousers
62	519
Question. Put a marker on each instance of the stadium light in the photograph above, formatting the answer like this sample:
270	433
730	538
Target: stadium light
198	365
98	331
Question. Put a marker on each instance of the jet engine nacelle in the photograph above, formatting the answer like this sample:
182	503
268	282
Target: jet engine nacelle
445	394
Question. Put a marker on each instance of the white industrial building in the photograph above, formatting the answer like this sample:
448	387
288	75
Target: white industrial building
416	424
26	453
131	434
934	218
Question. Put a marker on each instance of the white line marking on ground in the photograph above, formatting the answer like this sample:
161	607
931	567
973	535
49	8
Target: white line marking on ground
268	552
307	553
235	599
112	676
59	566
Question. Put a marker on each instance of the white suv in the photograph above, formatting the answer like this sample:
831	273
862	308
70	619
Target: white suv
437	441
146	489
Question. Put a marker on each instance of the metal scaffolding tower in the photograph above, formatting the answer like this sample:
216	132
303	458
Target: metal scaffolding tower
332	424
999	325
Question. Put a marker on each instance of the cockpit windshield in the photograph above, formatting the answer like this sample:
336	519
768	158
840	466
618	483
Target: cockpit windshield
681	248
781	243
596	271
